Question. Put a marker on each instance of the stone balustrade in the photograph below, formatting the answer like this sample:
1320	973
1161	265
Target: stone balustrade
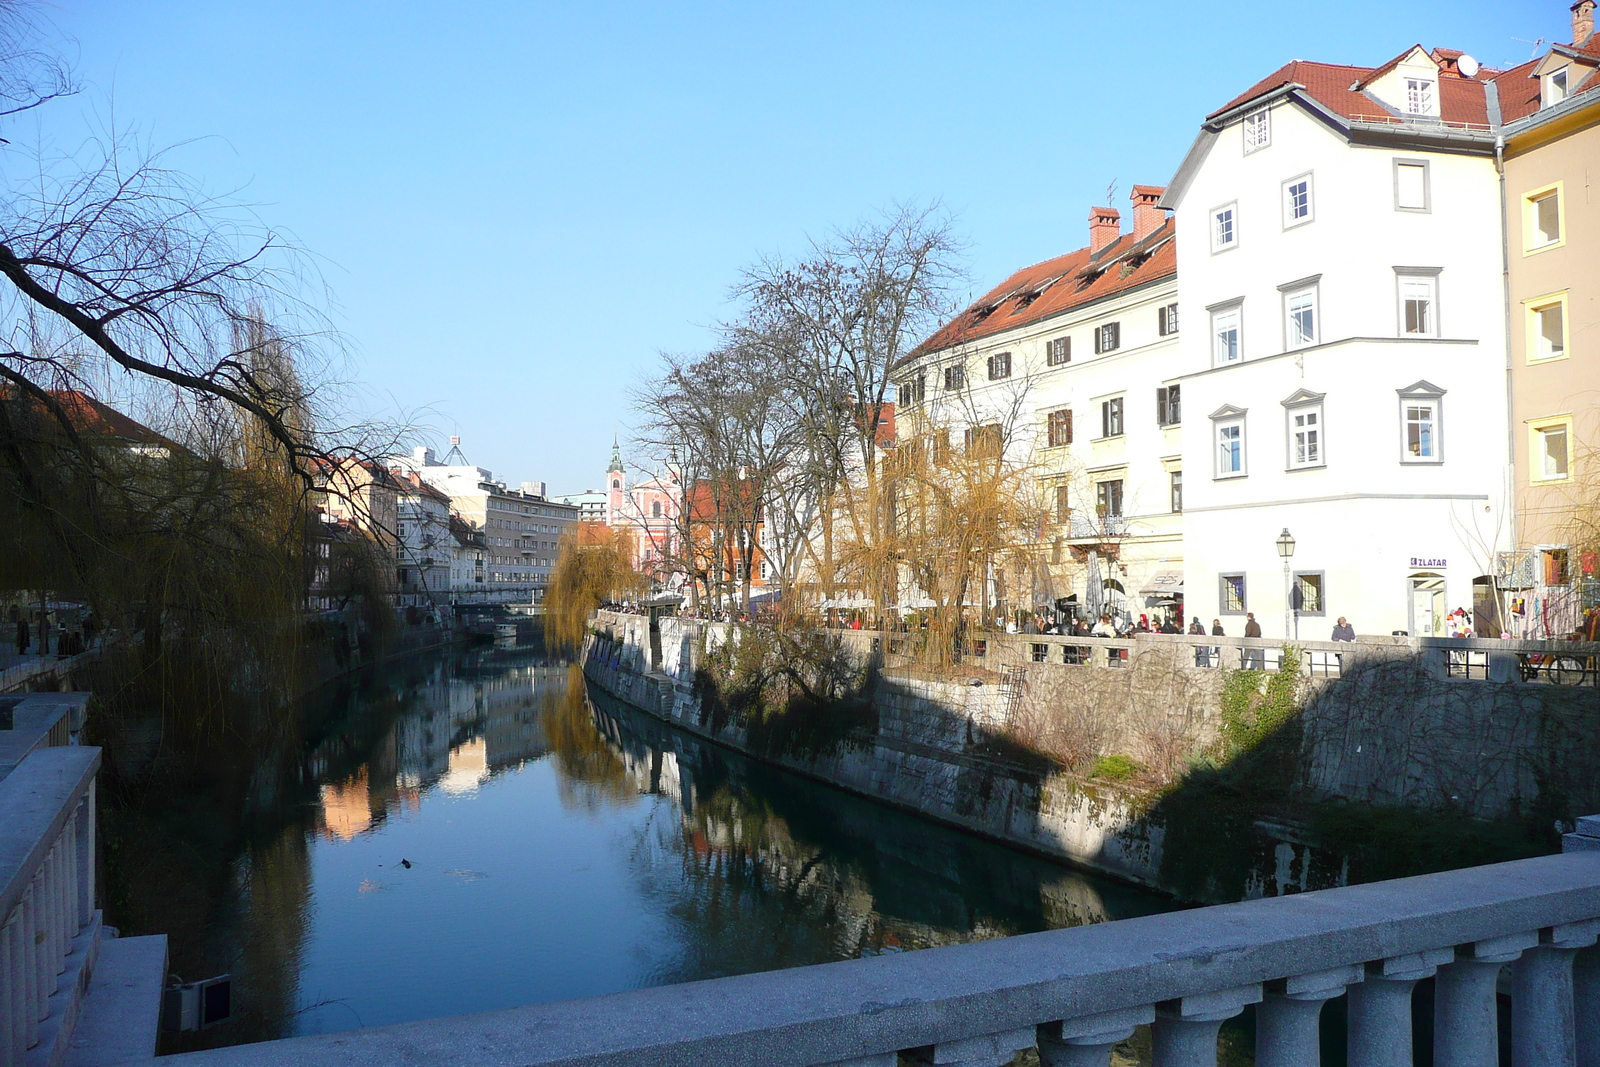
1073	994
49	928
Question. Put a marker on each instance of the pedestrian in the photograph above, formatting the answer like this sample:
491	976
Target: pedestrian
22	635
1343	631
1202	653
1254	658
44	633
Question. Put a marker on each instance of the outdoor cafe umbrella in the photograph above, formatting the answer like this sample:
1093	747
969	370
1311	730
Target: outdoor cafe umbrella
1094	593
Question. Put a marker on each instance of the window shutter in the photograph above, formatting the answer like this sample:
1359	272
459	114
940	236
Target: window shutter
1069	427
1116	335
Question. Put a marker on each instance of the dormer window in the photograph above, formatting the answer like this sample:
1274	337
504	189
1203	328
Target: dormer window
1419	96
1556	87
1257	130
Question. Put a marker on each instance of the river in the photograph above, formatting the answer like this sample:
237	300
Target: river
480	830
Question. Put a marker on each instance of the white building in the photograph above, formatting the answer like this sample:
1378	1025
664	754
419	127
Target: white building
521	528
1344	361
423	530
1077	358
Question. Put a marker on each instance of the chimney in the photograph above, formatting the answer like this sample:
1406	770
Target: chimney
1105	226
1582	21
1147	213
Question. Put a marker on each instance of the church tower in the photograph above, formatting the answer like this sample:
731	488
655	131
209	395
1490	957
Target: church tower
616	485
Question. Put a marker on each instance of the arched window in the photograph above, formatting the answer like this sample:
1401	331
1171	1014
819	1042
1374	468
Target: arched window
655	509
616	483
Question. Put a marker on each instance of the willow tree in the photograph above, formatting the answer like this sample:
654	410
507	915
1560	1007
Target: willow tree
594	564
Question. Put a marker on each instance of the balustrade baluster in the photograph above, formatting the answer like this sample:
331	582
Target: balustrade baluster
986	1050
1380	1008
1088	1041
1287	1033
1586	1005
11	1024
32	1006
1543	1030
1466	1020
1185	1029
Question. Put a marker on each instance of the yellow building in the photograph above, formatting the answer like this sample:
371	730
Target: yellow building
1552	211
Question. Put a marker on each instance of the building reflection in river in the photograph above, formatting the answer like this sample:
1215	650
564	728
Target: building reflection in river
565	845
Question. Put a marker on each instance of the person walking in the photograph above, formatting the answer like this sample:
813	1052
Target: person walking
22	634
1254	658
1343	631
1202	653
1217	631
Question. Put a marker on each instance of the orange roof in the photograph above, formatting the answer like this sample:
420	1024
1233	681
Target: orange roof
1060	285
1337	88
89	416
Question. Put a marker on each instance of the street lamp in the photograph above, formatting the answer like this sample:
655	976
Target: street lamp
1286	550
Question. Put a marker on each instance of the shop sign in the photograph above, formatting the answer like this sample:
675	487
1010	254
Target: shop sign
1428	561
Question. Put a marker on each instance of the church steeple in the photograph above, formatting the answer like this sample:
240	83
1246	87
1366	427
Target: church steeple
616	457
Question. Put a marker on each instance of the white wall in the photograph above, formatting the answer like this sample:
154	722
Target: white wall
1363	516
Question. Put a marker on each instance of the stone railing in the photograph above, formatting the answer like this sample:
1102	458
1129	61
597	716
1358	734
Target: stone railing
1074	993
49	928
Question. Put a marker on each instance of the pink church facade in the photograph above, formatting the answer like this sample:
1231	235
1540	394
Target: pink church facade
650	510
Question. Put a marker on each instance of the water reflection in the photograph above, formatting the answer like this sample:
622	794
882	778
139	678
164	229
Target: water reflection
480	831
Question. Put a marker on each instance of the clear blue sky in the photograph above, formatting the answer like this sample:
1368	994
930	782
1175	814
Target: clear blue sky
517	204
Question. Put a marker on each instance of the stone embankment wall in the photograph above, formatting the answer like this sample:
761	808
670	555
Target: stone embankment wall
1384	722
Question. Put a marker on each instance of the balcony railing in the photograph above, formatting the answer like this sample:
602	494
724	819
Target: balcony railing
1073	994
1086	526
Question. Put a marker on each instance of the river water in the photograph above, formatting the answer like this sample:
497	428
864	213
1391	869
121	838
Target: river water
481	830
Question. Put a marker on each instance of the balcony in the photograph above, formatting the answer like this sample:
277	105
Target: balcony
1098	528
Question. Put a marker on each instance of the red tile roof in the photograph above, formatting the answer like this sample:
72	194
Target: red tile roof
1334	86
1058	285
91	417
1519	93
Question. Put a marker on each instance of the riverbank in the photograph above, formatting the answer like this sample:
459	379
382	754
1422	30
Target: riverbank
1249	810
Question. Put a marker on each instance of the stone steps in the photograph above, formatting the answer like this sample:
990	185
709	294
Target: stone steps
120	1018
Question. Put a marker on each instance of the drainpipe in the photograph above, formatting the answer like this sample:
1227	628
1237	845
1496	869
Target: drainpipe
1505	288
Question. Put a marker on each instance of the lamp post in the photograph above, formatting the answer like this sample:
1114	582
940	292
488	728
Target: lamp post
1286	550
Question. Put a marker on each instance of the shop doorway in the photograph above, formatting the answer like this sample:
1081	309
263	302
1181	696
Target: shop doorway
1427	604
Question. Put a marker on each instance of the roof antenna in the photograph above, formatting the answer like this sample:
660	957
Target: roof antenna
1111	193
455	452
1534	54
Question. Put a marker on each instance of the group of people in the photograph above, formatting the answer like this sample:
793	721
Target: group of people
34	630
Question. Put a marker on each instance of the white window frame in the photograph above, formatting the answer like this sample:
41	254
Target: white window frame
1530	218
1422	96
1537	431
1536	310
1427	185
1289	220
1555	92
1229	417
1408	277
1257	130
1113	417
1220	315
1302	404
1232	210
1297	296
1418	395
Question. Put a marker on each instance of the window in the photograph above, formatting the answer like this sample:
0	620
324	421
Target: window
1225	335
1228	427
1058	351
1419	96
1421	412
983	440
1419	301
1059	428
616	483
1230	594
1108	499
912	390
1305	436
655	509
1542	219
999	366
1411	185
1299	317
1111	417
1297	201
1555	566
1176	490
1257	130
1556	87
1169	410
955	376
1224	227
1167	320
1306	599
1551	442
1063	504
1547	327
1108	338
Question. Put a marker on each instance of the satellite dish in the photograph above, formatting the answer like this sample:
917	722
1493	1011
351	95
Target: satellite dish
1468	66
